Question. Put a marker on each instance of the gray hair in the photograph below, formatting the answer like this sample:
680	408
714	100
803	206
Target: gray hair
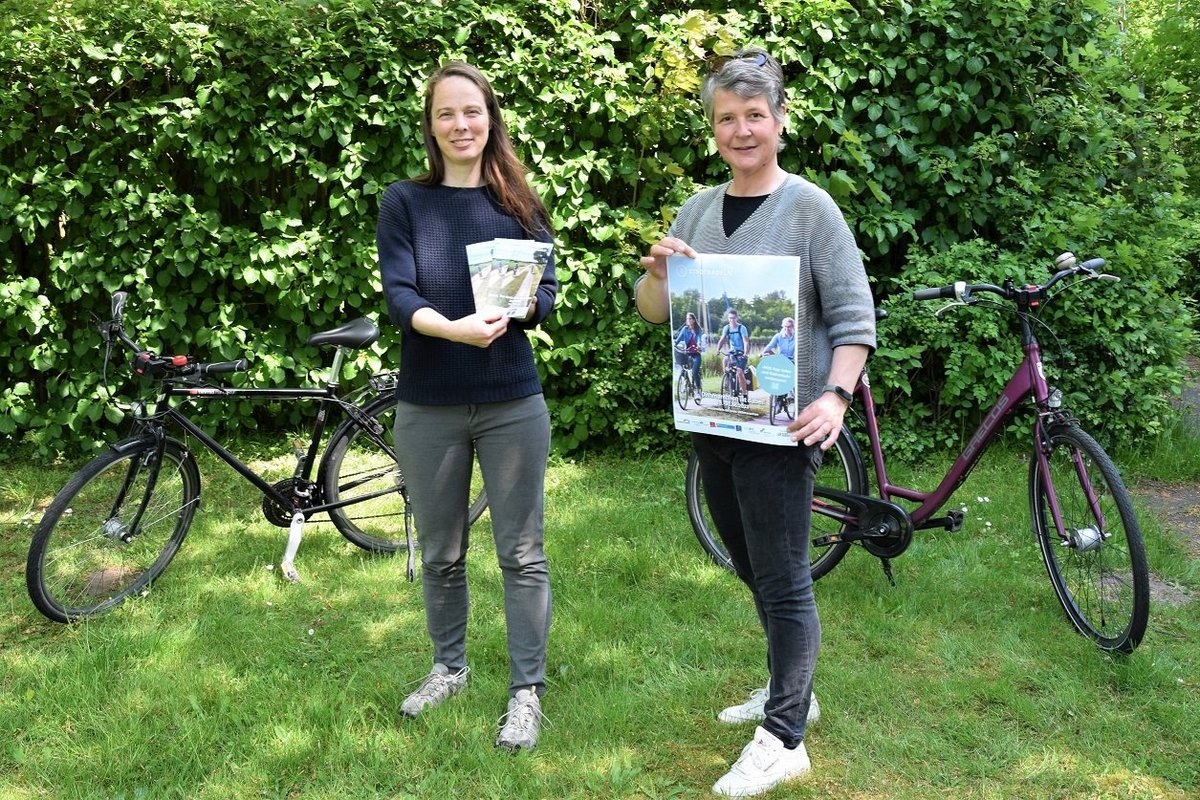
747	79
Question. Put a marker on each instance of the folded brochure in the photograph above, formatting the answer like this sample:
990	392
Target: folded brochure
505	273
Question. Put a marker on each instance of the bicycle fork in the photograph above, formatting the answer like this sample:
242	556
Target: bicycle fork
1079	539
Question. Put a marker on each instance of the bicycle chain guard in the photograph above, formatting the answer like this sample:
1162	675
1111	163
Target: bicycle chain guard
885	530
281	516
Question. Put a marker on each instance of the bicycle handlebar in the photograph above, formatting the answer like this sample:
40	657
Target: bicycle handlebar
183	367
1065	266
152	365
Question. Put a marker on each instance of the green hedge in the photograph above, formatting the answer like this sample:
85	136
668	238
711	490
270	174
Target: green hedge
223	160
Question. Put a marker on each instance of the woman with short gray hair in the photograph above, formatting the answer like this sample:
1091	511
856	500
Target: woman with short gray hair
760	495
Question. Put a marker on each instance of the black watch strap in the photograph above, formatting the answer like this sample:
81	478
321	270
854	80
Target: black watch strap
840	392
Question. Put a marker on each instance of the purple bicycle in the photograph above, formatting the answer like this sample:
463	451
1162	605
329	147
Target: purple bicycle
1083	518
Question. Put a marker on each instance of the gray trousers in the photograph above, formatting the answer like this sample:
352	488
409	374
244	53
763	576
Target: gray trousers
436	446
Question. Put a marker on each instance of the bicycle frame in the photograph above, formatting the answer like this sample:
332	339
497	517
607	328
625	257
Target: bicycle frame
1028	380
327	398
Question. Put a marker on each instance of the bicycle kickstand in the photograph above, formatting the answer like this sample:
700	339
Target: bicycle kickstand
886	563
295	532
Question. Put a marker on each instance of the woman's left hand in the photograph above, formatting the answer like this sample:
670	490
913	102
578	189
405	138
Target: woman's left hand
819	421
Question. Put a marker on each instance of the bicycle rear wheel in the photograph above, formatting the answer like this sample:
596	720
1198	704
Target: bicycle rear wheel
1098	565
360	469
841	469
112	529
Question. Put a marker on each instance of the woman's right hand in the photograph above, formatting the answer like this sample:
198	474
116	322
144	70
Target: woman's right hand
478	330
651	289
655	263
481	328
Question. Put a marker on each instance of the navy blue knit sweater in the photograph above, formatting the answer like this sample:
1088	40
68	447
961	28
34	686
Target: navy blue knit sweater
422	236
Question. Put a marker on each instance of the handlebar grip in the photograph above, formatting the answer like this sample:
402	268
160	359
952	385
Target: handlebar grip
223	367
118	304
936	293
1092	264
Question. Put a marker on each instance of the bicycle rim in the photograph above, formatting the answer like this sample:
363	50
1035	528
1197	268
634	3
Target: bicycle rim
111	531
1099	572
841	468
360	469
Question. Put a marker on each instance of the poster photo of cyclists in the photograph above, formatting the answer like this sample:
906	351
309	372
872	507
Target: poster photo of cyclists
733	344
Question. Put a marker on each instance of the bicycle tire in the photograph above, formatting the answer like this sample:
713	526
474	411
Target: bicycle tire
85	558
360	468
772	402
842	468
728	389
1100	576
683	390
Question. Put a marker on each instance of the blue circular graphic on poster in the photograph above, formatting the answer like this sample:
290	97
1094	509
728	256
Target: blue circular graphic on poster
776	374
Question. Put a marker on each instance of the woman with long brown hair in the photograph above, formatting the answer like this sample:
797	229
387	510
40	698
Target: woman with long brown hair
468	387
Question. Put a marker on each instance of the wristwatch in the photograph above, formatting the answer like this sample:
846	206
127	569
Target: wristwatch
839	391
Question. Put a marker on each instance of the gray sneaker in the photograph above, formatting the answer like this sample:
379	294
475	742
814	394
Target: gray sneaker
753	709
520	724
438	685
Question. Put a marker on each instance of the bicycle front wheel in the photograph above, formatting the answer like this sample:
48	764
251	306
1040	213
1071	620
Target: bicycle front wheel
728	389
841	469
1097	563
683	390
360	471
112	529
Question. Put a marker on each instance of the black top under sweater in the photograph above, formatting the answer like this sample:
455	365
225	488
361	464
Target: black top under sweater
422	236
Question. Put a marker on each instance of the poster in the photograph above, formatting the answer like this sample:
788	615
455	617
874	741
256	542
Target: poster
732	349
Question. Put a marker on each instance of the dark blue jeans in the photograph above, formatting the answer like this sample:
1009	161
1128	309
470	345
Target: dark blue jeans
760	498
693	360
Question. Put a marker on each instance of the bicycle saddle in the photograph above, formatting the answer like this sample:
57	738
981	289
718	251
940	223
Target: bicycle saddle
357	334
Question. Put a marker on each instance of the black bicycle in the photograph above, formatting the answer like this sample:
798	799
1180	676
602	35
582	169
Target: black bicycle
117	523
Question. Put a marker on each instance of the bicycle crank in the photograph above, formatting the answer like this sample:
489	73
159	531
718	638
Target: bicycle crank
295	488
884	529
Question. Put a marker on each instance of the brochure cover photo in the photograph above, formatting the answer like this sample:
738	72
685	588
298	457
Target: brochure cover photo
505	273
733	345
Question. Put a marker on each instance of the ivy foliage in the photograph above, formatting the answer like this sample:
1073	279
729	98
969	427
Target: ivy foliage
223	159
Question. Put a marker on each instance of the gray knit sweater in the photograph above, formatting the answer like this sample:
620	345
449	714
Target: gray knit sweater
797	219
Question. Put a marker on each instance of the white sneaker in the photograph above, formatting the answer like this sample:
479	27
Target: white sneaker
753	709
520	724
437	686
764	764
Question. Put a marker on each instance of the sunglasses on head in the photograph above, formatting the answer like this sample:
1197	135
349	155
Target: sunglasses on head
718	64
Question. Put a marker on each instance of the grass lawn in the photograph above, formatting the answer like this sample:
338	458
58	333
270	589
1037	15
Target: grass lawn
962	681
